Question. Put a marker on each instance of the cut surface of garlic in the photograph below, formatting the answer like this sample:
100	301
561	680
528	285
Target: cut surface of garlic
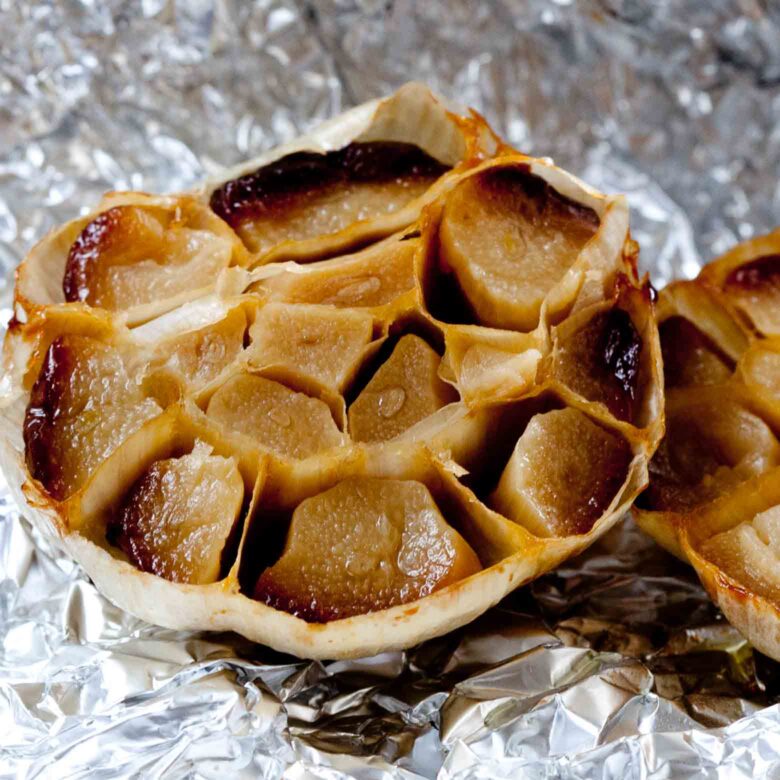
365	544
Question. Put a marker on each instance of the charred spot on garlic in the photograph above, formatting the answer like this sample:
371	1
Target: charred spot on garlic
147	253
763	272
306	194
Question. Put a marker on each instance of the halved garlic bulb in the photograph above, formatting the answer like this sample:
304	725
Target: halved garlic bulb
344	397
713	496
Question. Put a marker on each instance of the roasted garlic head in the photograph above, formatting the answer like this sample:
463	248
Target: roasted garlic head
714	494
344	398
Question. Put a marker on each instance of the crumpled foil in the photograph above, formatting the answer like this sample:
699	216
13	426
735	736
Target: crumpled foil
616	665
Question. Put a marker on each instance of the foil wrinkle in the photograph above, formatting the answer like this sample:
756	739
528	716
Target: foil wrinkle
616	665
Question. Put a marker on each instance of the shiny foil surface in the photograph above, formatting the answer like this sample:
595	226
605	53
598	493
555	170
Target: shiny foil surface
616	665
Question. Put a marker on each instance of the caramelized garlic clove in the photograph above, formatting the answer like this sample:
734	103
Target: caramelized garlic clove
374	277
563	474
509	238
712	443
83	405
176	519
315	342
201	355
366	544
690	358
307	194
750	553
601	362
759	367
405	390
129	255
276	418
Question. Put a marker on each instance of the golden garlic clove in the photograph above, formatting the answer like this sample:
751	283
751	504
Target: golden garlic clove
374	277
176	519
365	544
275	418
312	342
509	238
713	442
305	195
690	358
132	255
563	474
404	390
83	405
749	553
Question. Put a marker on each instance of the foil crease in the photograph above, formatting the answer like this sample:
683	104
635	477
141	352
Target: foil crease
616	665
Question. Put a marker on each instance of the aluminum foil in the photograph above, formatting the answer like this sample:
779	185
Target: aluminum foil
615	666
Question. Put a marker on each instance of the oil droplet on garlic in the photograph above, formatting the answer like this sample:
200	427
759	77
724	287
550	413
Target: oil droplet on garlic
359	565
391	401
358	288
280	417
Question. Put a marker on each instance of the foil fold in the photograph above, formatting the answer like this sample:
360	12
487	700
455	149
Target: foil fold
616	665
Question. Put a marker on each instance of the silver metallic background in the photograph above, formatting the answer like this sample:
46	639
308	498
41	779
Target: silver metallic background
616	666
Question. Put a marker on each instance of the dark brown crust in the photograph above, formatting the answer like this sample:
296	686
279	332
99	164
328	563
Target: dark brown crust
306	606
274	595
86	251
123	529
224	606
608	349
283	183
621	348
41	417
535	190
757	274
